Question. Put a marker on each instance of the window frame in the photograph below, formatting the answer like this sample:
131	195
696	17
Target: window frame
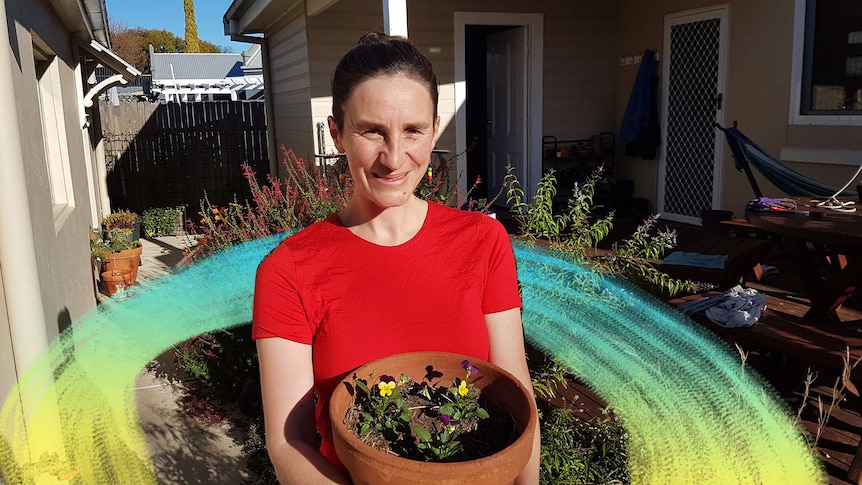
49	97
796	78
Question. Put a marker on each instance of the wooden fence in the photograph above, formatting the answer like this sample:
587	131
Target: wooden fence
161	155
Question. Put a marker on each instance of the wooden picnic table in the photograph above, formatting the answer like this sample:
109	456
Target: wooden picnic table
822	235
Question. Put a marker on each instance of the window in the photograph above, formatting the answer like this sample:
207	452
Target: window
827	63
49	94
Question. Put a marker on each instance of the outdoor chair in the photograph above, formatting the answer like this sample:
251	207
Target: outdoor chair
746	153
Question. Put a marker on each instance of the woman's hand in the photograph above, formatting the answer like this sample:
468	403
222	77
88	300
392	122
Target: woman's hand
287	380
506	336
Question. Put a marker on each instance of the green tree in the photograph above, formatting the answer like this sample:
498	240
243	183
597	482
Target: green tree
209	47
162	40
193	43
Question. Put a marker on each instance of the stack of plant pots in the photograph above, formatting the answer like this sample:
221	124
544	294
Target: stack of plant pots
119	251
126	260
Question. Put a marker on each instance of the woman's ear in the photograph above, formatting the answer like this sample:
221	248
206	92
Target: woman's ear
335	134
436	130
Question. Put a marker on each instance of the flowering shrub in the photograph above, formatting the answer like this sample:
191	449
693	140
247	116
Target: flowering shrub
418	420
308	194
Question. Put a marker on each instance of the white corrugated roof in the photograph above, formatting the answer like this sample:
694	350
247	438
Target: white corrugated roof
196	66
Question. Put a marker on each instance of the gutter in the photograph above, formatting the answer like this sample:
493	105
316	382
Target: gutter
272	150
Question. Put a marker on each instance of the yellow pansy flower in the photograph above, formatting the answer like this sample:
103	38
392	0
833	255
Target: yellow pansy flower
462	388
386	388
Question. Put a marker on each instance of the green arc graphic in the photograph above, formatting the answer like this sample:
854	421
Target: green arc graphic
694	415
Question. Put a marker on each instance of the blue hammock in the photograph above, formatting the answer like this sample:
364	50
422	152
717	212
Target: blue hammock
794	184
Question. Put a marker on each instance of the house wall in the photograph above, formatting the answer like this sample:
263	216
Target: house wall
8	374
580	57
290	89
60	232
760	39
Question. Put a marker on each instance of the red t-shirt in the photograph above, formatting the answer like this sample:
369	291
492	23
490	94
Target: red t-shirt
355	301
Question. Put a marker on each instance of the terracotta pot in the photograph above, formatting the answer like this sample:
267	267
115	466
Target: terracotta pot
115	280
129	259
368	465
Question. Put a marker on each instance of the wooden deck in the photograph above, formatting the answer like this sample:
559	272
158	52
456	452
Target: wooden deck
781	328
783	346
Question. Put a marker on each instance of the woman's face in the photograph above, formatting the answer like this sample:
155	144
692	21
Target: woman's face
388	132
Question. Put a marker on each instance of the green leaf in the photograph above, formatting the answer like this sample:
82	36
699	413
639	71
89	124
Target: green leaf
422	433
482	413
448	409
361	384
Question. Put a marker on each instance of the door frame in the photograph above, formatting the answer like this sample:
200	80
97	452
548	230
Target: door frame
534	23
723	11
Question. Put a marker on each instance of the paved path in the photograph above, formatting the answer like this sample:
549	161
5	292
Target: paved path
183	449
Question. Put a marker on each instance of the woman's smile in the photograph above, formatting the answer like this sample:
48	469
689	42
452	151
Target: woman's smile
391	179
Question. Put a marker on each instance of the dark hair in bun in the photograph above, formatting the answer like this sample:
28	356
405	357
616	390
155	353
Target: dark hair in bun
378	54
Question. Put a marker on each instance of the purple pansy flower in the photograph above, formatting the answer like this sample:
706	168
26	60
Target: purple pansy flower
386	378
449	421
471	369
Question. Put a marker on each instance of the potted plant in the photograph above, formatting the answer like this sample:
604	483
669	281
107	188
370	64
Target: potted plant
114	252
126	222
503	395
116	280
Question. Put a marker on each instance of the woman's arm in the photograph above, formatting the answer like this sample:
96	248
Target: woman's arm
287	380
506	336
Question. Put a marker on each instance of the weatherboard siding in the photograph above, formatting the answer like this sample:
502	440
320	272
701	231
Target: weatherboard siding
289	88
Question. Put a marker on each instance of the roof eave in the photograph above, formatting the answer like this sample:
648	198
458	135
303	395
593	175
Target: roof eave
245	17
111	60
86	19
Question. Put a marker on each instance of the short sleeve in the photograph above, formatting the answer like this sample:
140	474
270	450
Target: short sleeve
501	287
278	310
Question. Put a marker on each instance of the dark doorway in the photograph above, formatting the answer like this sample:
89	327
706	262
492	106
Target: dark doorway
477	109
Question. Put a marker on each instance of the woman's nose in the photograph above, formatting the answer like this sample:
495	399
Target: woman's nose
392	156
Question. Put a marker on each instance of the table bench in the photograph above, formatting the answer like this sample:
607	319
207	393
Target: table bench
743	260
782	328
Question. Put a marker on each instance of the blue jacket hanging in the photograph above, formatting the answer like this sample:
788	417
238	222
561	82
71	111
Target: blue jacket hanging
640	128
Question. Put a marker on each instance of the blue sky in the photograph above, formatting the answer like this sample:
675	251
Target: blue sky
168	15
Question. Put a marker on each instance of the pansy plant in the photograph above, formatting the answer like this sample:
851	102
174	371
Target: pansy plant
385	411
460	412
453	410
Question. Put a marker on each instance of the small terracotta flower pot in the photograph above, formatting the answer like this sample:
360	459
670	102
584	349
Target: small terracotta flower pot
115	280
368	465
129	259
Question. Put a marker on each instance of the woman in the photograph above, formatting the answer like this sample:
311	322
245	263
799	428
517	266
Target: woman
390	273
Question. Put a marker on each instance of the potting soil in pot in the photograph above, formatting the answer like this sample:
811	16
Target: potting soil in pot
480	438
